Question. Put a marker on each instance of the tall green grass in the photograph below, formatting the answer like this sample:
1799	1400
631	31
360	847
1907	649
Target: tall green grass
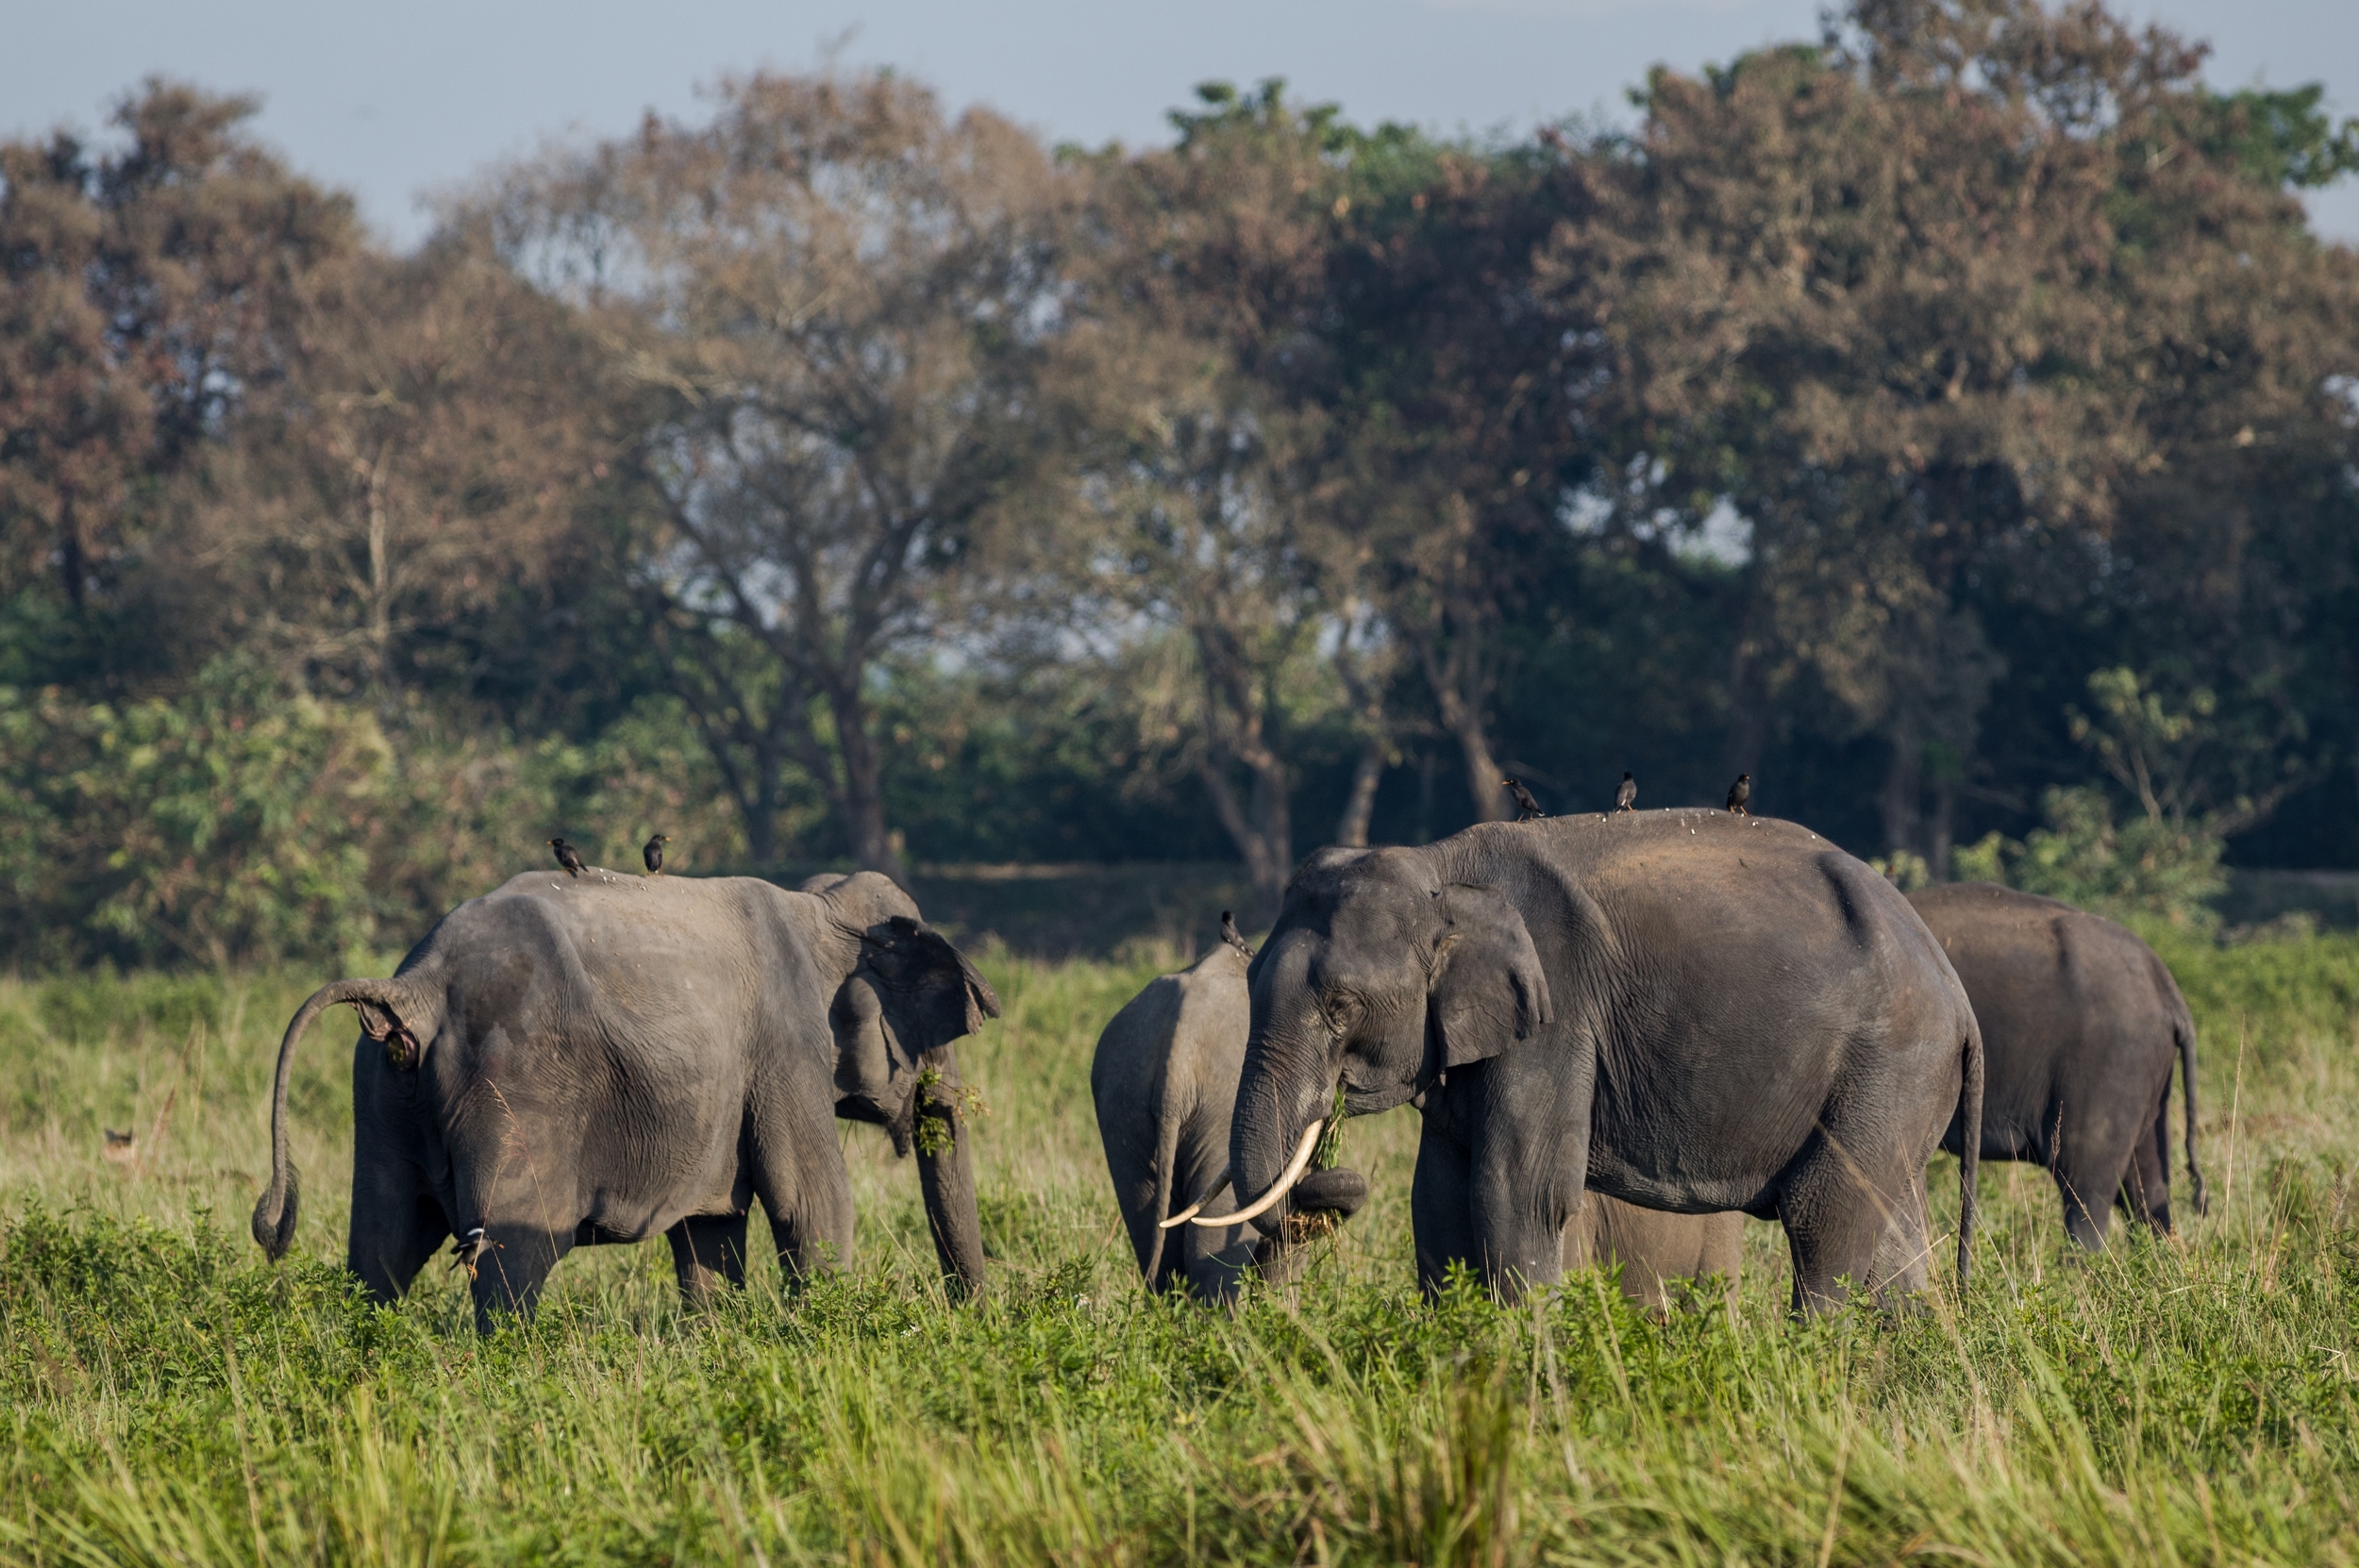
167	1398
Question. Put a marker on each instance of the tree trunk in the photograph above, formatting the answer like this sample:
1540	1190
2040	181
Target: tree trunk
1748	710
1941	829
1474	750
1261	840
72	560
1351	829
1462	717
1898	805
861	799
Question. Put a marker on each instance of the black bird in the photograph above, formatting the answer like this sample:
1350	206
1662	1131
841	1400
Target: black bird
1739	792
567	855
1526	806
652	852
1230	934
1626	798
467	1252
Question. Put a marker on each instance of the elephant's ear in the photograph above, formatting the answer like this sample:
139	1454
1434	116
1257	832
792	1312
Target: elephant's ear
932	994
1488	988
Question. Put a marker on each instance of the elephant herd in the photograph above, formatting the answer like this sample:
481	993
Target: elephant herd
1622	1034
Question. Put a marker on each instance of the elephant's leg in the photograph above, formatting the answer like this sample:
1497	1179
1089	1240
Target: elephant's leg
707	1251
1904	1264
2144	1194
397	1225
1529	1139
1836	1219
807	1192
1441	1208
510	1267
2090	1159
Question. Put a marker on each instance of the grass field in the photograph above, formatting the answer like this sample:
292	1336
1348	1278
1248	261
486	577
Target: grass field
169	1398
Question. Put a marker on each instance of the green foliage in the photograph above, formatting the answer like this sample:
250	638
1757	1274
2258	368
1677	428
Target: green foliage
2280	138
232	822
2143	867
167	1398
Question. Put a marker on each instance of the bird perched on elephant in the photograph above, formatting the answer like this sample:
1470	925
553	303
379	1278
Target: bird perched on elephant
1691	1012
1164	1078
603	1059
2080	1025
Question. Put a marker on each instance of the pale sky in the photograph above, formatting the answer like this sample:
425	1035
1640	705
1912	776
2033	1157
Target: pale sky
394	101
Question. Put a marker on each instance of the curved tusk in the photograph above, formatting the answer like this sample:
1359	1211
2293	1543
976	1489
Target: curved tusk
1190	1210
1278	1188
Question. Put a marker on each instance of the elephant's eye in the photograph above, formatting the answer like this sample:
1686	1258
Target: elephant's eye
1340	1009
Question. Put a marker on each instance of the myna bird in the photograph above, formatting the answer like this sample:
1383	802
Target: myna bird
467	1252
1739	792
1526	806
1230	934
567	855
652	852
1626	798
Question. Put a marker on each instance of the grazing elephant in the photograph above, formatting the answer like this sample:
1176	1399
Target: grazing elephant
1164	1079
2080	1022
569	1062
1689	1011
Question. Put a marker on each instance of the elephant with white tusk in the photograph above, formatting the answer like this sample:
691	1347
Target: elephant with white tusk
1164	1079
1691	1012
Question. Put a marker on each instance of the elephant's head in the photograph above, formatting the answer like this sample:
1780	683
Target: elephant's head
1380	979
904	993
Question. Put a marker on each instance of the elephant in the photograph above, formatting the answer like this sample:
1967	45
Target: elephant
1689	1011
1164	1078
2080	1020
1654	1249
567	1061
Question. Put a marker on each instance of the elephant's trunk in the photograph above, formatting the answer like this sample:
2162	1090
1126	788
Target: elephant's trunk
1278	1112
379	1003
945	1175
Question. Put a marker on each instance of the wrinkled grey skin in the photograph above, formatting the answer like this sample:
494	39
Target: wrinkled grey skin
1688	1010
2080	1023
569	1062
1165	1080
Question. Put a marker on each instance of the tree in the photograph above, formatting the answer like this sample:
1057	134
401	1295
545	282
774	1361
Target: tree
426	457
1455	442
143	298
839	297
1942	309
1199	444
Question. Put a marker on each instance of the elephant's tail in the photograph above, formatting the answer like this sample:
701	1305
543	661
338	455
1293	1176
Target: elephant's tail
1970	1148
1154	1235
379	1003
2182	1024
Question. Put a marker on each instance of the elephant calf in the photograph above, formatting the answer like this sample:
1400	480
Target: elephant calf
2080	1020
605	1059
1164	1079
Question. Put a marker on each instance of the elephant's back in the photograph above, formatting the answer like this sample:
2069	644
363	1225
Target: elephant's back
2066	999
1748	986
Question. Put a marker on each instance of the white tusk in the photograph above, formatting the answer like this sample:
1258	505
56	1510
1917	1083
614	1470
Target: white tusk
1278	1189
1193	1209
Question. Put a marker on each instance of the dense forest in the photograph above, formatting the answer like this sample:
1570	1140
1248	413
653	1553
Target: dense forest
1951	421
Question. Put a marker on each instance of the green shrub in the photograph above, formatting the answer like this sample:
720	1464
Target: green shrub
2146	866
